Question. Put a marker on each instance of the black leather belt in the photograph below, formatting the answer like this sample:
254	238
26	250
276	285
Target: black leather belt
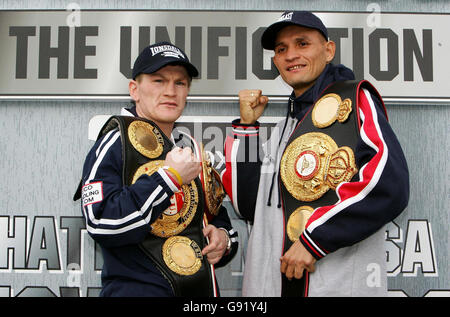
177	253
318	156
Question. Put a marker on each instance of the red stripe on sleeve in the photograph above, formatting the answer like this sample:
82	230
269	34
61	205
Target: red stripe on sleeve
227	175
349	190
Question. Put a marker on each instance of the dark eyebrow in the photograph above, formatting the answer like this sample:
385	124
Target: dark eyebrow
156	74
302	38
277	44
177	78
297	39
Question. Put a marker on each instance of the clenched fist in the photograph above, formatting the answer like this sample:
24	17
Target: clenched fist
184	162
252	104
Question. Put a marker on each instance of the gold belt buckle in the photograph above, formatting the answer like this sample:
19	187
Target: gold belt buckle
182	210
313	163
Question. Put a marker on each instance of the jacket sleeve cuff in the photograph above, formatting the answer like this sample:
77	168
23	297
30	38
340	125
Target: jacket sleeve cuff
174	187
312	247
229	255
241	129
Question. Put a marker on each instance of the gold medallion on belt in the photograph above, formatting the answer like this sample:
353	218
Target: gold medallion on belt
182	209
313	163
330	108
182	255
297	222
146	139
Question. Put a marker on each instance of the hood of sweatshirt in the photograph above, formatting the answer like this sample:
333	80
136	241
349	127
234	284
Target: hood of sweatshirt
332	73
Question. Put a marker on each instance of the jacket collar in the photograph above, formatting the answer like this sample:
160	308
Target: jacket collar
298	106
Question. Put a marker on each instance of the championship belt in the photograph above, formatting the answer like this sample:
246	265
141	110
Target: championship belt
176	239
318	157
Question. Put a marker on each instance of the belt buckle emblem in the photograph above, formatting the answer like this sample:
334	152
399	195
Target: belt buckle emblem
313	163
183	205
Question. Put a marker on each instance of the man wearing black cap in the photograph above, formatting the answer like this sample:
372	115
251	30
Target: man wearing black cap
144	190
328	180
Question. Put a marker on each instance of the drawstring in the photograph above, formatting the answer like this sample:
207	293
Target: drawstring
270	190
290	109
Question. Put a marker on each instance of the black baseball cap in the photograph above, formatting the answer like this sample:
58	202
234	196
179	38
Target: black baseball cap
158	55
301	18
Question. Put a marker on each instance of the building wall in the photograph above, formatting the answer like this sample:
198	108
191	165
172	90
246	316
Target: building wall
44	143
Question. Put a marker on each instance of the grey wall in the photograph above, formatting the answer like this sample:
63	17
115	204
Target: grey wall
44	142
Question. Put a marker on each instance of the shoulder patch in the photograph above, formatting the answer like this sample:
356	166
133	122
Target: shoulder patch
92	193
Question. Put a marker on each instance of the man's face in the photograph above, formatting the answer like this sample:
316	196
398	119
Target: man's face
301	54
161	96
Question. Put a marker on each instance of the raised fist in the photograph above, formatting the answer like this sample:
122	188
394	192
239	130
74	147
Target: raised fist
252	104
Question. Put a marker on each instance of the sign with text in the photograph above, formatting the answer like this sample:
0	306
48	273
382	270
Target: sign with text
91	53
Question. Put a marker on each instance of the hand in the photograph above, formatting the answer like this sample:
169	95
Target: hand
217	243
296	260
184	162
252	105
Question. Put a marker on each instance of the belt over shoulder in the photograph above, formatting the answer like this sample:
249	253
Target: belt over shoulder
318	157
176	239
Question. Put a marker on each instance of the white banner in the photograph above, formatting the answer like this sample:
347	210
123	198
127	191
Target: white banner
91	53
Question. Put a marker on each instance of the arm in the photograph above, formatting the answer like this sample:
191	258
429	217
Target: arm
219	232
243	164
115	214
241	176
